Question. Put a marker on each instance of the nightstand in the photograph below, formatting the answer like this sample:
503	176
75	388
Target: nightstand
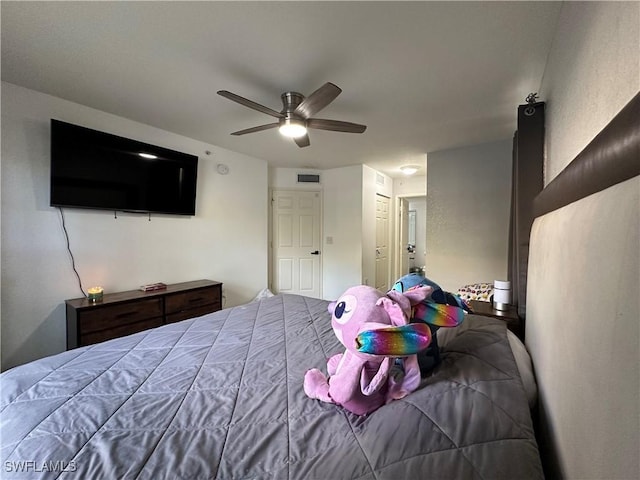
514	322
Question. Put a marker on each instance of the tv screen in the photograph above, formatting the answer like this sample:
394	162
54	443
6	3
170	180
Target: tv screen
92	169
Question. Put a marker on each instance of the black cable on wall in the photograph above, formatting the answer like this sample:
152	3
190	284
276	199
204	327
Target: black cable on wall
73	261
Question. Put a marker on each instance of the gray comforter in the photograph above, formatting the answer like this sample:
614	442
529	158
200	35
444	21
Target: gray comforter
221	396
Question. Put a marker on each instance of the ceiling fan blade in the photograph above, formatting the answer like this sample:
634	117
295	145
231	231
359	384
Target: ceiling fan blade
318	100
259	128
249	103
335	125
302	141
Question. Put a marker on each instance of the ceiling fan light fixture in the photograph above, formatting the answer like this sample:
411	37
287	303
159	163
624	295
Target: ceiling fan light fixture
409	169
297	114
292	128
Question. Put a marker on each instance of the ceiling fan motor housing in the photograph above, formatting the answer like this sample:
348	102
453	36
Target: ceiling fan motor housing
294	125
290	101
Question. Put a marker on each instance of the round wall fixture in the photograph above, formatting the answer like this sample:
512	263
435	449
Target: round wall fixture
222	169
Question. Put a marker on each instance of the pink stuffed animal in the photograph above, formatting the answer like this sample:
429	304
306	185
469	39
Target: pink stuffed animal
374	328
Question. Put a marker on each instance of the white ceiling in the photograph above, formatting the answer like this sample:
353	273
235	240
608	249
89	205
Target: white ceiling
423	76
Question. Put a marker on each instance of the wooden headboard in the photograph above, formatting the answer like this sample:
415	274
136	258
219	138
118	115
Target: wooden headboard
613	156
583	307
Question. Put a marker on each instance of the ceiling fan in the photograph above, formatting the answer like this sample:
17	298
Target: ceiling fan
295	117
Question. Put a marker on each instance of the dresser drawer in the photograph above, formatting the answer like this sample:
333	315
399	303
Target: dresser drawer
113	316
193	312
178	302
119	331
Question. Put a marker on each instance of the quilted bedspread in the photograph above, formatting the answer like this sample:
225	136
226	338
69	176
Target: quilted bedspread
221	397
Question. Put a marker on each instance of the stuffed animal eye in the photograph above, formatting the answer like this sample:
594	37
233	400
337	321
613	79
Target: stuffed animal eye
345	308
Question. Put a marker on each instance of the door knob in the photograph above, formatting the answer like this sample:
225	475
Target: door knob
315	252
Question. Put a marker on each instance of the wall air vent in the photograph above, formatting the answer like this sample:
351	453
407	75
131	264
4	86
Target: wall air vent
308	178
379	179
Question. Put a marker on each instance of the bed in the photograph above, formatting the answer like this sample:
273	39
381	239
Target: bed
221	396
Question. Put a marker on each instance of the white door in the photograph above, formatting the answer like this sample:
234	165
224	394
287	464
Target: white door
382	243
296	243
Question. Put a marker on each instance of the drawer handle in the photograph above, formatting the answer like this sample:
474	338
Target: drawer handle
195	300
126	314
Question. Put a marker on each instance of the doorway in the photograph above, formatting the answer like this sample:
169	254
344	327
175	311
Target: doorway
411	233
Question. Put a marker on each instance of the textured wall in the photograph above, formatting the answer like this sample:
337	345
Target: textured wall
468	208
592	72
225	241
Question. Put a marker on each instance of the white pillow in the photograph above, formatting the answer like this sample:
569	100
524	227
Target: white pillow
481	292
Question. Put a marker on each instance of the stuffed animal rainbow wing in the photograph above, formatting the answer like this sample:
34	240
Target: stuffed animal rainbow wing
395	341
438	314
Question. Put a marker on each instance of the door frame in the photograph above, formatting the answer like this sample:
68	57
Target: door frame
399	250
271	260
397	232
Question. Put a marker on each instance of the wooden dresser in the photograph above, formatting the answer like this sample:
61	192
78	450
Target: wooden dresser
124	313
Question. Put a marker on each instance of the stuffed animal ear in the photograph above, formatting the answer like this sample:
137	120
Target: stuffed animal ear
395	341
397	314
418	294
438	314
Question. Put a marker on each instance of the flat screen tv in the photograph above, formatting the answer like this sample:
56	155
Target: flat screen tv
92	169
